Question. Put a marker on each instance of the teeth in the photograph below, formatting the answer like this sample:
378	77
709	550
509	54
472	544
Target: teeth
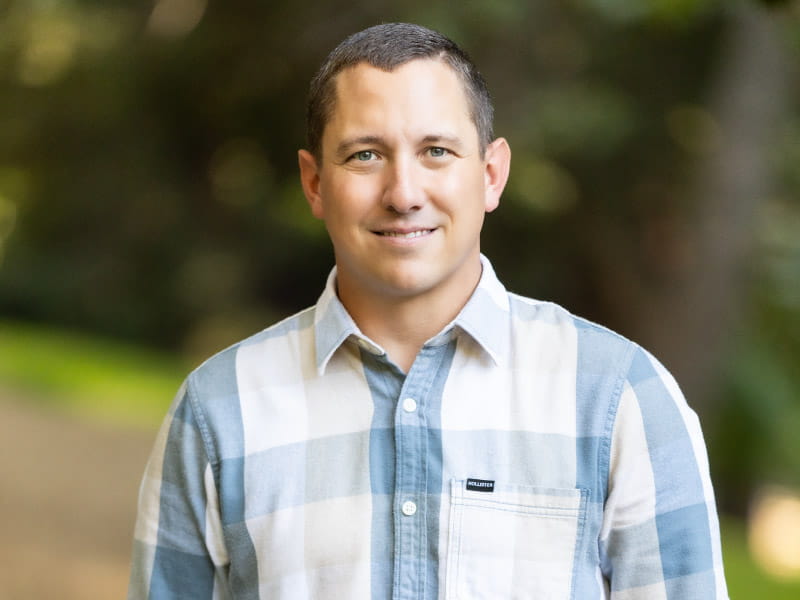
412	234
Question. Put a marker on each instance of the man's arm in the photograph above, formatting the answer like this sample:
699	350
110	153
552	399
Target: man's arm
177	534
660	536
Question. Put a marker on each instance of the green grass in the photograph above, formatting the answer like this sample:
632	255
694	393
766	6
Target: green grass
745	579
92	377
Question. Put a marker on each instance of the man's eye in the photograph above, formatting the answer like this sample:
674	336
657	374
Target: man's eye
437	152
364	155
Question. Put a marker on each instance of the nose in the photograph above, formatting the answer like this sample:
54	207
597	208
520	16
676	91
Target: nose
404	191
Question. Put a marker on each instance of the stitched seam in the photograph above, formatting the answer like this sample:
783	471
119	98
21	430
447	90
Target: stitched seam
205	433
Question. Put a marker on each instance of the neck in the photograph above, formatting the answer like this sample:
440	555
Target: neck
402	324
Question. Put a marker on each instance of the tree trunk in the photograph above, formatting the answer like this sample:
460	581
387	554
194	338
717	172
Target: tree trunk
697	315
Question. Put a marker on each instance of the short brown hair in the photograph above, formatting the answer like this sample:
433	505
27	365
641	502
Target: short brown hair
386	47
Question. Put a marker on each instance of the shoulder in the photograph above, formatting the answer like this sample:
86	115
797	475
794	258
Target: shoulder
593	342
218	375
217	395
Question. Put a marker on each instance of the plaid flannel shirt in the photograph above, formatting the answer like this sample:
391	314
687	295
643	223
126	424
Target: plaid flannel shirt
526	454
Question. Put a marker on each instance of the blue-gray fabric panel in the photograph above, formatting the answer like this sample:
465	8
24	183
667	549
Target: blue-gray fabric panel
681	513
603	358
517	457
418	469
182	507
329	467
243	571
685	541
215	393
435	485
384	383
179	575
219	414
698	586
181	567
232	500
303	473
632	551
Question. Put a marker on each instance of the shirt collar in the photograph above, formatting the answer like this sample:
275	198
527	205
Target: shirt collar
484	318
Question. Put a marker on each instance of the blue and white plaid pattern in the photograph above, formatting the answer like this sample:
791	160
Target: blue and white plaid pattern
301	463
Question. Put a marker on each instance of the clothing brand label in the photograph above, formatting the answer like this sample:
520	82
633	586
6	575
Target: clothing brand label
480	485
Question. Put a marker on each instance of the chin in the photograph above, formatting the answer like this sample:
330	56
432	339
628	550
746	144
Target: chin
405	288
402	283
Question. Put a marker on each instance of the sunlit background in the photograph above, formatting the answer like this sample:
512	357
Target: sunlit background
150	215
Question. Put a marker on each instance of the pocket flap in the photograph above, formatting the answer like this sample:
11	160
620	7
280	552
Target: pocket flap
521	498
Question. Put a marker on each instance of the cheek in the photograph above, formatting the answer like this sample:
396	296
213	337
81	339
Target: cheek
344	202
462	192
356	192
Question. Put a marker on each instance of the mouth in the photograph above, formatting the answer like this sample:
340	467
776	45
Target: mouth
406	235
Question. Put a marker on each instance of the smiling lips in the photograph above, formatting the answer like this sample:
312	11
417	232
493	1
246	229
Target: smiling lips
405	234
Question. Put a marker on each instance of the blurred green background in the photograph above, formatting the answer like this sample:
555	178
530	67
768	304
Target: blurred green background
150	214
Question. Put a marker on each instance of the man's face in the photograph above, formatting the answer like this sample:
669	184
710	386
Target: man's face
402	186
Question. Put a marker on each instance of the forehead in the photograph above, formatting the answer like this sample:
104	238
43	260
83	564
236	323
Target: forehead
436	67
416	91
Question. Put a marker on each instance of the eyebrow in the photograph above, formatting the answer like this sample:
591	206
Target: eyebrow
439	138
345	146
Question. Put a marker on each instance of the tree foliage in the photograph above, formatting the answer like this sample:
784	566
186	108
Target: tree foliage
148	179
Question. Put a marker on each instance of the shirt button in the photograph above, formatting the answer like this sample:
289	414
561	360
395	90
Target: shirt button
409	405
409	508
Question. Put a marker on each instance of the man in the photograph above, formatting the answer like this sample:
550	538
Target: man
421	433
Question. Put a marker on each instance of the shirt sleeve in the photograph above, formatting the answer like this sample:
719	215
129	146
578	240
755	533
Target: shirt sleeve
176	540
660	536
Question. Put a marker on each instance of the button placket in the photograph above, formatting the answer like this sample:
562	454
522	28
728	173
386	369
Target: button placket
412	477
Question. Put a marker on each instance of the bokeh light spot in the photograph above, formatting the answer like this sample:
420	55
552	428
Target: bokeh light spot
774	532
175	18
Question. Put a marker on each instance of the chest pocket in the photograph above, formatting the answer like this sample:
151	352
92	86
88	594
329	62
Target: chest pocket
513	543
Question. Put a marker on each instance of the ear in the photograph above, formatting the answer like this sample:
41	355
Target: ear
497	163
309	179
